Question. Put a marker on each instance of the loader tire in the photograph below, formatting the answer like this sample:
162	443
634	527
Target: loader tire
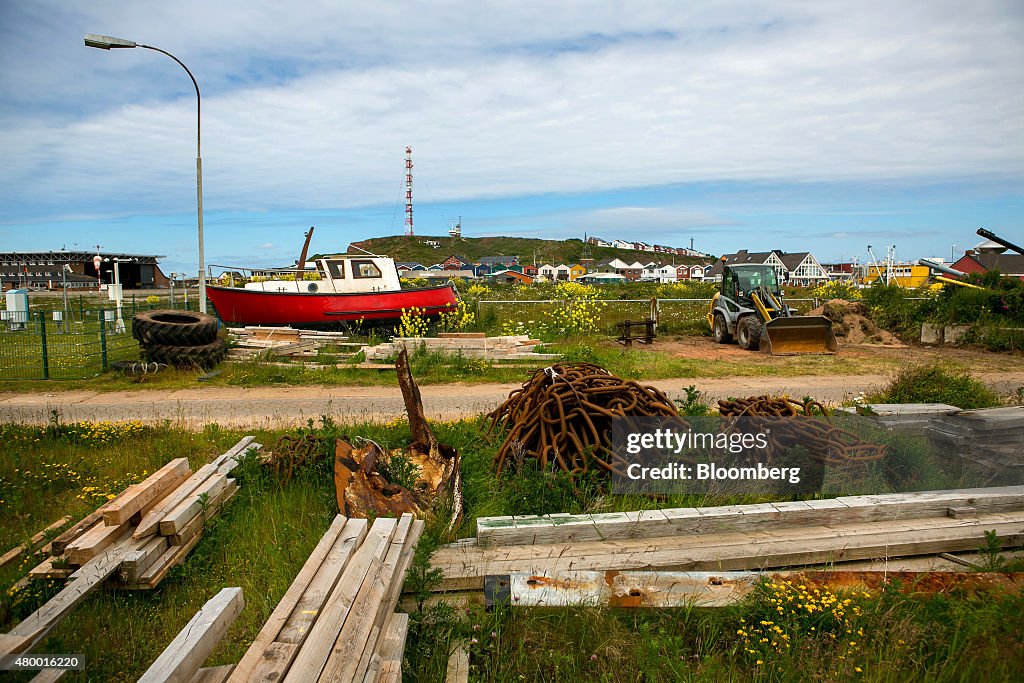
202	356
719	330
174	328
748	333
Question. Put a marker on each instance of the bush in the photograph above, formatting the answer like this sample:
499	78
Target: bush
937	383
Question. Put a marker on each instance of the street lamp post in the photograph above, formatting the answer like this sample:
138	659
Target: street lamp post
106	43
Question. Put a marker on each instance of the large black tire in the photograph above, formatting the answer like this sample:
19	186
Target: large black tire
748	333
203	356
719	330
174	328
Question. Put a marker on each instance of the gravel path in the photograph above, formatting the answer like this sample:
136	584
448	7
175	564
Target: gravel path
289	406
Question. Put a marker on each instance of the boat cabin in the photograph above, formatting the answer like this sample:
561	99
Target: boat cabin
339	275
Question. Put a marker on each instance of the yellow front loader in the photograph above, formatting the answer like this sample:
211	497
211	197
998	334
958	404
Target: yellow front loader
749	307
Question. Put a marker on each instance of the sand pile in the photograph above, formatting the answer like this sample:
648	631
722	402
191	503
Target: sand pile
851	324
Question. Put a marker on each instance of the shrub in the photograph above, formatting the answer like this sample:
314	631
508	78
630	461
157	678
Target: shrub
937	383
837	290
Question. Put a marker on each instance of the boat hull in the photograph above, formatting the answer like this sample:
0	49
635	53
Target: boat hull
253	307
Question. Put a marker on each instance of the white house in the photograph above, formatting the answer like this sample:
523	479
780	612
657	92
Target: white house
659	272
622	244
562	272
547	272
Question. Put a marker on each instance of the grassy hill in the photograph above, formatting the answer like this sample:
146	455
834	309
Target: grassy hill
402	248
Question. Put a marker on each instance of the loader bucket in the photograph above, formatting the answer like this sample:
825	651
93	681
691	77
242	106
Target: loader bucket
799	334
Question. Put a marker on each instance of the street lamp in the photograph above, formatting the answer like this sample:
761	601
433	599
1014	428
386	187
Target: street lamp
107	43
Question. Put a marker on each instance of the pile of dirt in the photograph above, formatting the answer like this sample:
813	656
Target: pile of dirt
851	324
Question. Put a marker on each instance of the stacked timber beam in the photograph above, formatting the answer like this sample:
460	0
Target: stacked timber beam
736	537
134	539
337	621
254	340
989	443
468	344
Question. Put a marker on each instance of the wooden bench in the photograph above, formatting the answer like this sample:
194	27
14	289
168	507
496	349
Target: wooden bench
642	331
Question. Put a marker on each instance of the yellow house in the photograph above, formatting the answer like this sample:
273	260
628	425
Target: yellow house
576	271
903	274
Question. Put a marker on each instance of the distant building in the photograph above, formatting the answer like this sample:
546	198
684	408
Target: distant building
1007	264
43	270
799	268
510	276
506	261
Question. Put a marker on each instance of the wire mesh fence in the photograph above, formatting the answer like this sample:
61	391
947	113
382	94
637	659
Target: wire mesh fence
58	339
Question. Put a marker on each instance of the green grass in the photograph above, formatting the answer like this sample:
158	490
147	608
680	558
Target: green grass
937	383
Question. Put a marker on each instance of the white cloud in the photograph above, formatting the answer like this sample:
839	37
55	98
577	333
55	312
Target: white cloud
312	105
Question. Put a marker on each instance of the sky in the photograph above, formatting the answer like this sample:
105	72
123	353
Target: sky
823	126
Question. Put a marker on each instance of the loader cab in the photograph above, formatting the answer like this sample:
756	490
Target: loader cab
739	281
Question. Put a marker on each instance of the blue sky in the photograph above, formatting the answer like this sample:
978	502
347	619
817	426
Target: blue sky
824	126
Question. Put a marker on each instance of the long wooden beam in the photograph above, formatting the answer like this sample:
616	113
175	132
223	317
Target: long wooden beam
563	528
464	564
194	643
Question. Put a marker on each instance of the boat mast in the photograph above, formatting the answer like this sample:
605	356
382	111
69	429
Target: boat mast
301	263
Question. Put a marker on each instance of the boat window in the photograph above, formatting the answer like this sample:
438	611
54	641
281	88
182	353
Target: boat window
365	269
336	269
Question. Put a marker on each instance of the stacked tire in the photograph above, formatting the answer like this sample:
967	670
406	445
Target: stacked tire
178	338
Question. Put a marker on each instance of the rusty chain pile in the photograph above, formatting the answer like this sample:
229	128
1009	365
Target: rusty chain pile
293	451
823	441
562	417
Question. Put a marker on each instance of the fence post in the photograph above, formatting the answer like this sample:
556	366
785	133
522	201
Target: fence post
42	337
81	309
103	339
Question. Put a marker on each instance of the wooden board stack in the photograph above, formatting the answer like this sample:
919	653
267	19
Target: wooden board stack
337	621
136	538
988	442
468	344
737	537
253	340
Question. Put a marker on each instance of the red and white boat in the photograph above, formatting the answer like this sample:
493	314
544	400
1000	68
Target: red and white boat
344	288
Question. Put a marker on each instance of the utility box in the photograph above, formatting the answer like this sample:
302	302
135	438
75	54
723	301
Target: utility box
114	292
17	308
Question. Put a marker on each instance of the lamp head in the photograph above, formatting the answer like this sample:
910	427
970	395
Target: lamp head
106	42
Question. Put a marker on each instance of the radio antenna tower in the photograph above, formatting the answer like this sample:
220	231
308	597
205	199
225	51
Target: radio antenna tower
408	191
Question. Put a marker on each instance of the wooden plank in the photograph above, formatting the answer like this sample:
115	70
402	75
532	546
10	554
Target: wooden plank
245	671
319	589
357	639
198	523
458	664
14	553
230	457
213	674
274	661
48	675
465	565
34	627
363	566
651	524
392	648
46	570
193	504
150	523
252	657
171	557
95	541
190	648
137	562
143	494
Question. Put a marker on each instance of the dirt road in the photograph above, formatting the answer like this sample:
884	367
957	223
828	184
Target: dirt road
288	406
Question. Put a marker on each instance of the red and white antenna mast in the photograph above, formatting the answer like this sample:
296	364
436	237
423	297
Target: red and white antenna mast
408	191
